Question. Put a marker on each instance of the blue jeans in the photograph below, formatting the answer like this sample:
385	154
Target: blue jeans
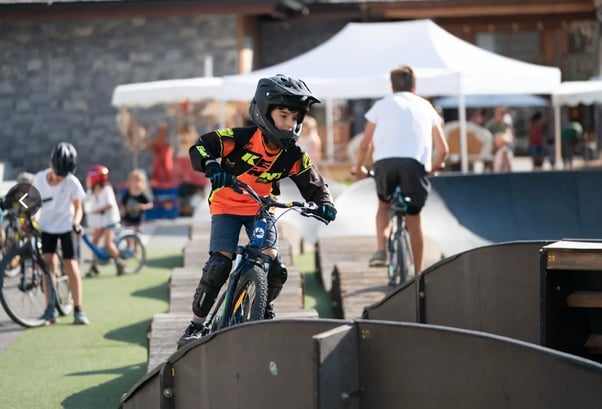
225	232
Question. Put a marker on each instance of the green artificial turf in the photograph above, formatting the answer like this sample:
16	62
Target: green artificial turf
315	296
90	367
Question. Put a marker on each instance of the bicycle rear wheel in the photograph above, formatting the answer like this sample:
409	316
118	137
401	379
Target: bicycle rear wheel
401	262
408	270
132	251
64	298
250	296
22	295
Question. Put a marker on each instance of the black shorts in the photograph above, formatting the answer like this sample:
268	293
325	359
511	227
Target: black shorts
50	240
407	173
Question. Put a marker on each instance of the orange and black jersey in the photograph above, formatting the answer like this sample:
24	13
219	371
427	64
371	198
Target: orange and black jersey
244	154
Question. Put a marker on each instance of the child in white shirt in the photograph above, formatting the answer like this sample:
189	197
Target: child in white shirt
102	214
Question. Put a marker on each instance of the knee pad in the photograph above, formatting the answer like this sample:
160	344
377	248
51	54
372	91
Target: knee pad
215	274
277	275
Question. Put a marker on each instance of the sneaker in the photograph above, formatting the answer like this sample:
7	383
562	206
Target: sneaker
93	272
120	264
127	253
51	318
80	318
378	259
269	313
193	332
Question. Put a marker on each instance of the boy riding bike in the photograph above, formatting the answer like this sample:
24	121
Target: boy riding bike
258	155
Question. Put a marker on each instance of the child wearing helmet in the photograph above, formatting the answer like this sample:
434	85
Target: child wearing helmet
60	215
102	214
258	155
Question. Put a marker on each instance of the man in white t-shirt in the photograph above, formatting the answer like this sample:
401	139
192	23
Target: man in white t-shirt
408	144
59	217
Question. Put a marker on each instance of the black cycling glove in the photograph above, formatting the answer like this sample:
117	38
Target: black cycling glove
326	211
217	175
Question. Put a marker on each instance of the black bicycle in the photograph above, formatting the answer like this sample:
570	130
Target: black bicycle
25	293
400	267
245	297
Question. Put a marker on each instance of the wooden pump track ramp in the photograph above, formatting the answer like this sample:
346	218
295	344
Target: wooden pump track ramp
332	364
454	231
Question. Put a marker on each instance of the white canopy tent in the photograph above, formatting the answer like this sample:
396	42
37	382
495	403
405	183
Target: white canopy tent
355	63
147	94
573	93
493	100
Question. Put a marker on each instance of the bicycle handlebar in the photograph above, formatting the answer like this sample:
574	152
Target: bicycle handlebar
306	209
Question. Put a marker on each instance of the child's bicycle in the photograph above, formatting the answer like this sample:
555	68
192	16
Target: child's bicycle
245	297
400	265
24	276
130	246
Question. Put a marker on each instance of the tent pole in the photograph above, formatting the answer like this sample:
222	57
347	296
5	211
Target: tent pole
222	113
463	138
329	130
557	139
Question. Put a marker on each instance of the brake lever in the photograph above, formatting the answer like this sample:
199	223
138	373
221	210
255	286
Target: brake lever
310	213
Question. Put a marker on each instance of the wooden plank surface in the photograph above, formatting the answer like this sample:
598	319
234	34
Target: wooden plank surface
335	249
358	249
585	299
574	255
355	286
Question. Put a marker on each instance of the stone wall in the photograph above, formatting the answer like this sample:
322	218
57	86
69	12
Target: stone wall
57	78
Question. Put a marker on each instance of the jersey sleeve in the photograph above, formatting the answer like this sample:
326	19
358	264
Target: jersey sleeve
209	146
309	181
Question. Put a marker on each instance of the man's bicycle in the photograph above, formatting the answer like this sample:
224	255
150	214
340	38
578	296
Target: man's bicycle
25	293
400	263
131	250
245	297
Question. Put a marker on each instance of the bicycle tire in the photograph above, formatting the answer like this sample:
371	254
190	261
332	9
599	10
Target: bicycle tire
64	298
401	261
23	296
132	252
408	269
10	241
250	296
395	250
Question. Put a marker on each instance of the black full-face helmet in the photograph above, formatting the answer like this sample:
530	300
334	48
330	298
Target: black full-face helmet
280	91
63	159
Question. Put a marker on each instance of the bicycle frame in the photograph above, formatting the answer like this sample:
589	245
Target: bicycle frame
251	254
101	253
400	266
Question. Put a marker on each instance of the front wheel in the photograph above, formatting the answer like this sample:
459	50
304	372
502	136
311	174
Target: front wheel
132	252
250	296
23	295
64	298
